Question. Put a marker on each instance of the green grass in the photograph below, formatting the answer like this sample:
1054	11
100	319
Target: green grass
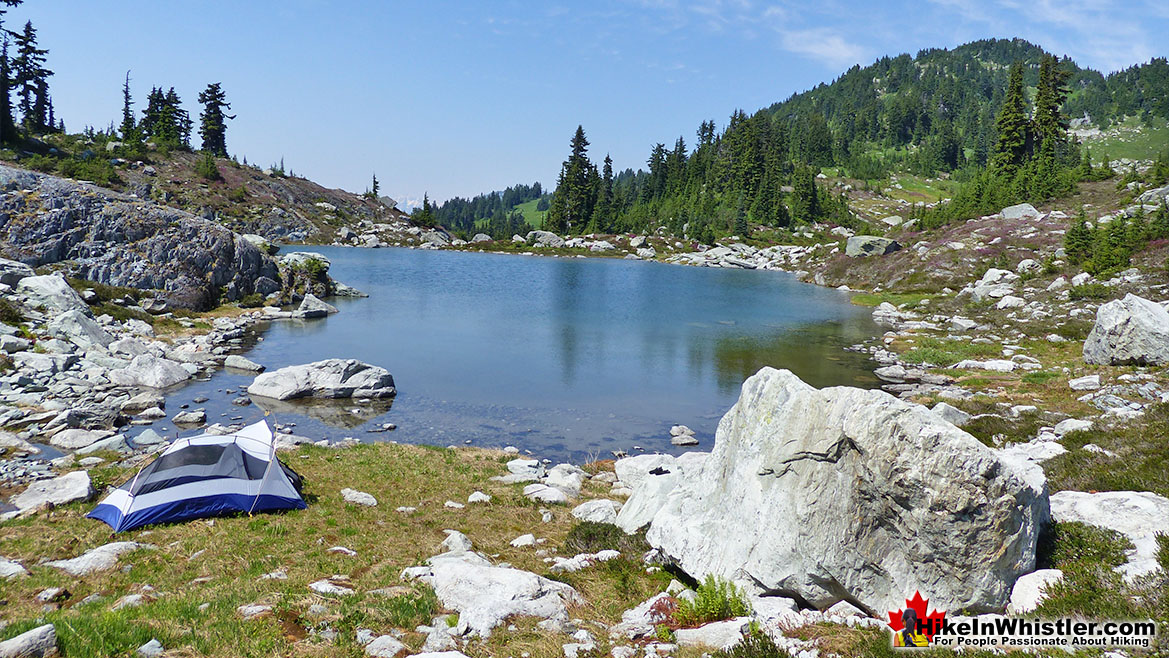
895	298
1134	141
940	352
534	218
1141	462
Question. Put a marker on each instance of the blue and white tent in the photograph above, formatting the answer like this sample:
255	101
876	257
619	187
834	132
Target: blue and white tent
202	476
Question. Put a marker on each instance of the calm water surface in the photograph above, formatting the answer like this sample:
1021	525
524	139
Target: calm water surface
567	358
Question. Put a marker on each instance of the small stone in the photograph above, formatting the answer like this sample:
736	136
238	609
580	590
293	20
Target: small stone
151	649
478	497
358	497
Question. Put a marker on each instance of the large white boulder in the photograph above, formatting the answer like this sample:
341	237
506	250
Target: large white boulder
313	307
994	284
652	478
1138	515
870	245
331	378
850	494
68	488
1129	331
52	292
150	371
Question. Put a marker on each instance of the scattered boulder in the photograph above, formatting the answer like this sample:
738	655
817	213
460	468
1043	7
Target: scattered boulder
994	284
680	435
1028	592
68	488
331	378
11	271
386	646
485	595
358	497
312	307
40	641
951	414
870	245
481	237
11	569
149	371
544	239
195	417
51	292
1085	383
597	511
151	649
75	438
1020	211
101	558
849	494
1129	331
719	634
78	328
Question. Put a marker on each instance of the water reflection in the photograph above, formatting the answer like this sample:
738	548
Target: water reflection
346	414
561	356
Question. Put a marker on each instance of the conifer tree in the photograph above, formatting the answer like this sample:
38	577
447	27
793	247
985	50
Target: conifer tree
805	200
29	74
601	221
1011	148
374	187
572	202
129	129
213	121
1049	122
7	123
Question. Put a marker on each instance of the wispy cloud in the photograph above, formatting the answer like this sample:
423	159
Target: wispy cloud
824	45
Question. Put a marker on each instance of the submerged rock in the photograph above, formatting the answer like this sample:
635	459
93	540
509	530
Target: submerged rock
848	494
331	378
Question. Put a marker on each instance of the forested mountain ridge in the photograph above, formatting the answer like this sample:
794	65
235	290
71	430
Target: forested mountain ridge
899	101
991	116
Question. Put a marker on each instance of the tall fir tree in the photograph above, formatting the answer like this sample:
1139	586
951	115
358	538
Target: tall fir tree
7	123
29	74
572	202
129	127
1010	150
1049	123
602	219
213	121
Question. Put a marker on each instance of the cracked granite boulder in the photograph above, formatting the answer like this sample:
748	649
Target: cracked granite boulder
844	494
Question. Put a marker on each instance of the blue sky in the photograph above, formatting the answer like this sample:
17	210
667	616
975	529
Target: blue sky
456	98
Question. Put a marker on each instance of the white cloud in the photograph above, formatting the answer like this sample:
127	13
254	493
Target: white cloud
822	44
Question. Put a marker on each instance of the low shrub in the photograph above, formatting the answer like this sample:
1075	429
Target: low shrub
9	314
1091	290
716	600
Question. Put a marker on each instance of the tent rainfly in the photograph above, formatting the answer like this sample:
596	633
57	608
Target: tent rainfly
202	476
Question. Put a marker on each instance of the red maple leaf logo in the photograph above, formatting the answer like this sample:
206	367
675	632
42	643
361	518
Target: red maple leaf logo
931	622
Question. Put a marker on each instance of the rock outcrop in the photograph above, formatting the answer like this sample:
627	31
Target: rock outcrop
1129	331
331	378
843	494
120	240
870	245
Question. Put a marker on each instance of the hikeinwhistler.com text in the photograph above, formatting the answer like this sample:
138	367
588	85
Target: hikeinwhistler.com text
1063	632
